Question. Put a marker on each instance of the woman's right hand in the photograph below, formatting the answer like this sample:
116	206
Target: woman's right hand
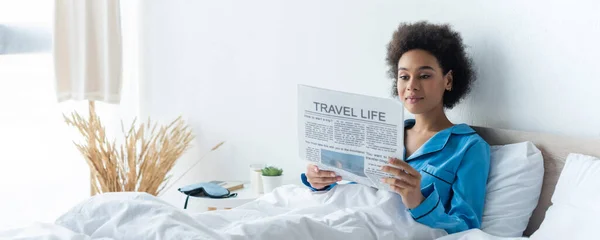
320	178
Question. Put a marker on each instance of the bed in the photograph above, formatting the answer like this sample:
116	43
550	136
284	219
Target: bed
292	212
555	150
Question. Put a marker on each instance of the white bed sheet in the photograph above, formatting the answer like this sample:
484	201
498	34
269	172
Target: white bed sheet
290	212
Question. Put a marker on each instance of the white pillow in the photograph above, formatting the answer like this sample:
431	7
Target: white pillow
513	188
575	209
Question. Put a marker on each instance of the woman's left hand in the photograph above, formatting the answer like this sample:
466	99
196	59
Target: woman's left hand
407	182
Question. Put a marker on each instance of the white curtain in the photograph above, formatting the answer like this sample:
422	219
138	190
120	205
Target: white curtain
42	174
88	50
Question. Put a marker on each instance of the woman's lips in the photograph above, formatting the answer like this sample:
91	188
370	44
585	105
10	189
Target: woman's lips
413	100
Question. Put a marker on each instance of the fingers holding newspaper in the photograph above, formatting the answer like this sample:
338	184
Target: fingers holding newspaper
320	178
407	182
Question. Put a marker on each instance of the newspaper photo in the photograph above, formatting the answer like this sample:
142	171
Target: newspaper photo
350	134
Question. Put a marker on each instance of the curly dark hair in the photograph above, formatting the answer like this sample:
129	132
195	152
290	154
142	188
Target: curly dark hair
443	43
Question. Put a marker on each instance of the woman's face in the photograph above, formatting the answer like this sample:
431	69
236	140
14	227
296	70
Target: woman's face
421	82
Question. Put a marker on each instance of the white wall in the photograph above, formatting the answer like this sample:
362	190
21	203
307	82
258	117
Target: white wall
231	68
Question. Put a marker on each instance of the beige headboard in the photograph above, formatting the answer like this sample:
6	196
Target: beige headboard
554	150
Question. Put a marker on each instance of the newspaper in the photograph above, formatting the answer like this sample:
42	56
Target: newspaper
350	134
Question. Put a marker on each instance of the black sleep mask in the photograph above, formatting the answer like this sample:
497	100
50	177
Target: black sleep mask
205	189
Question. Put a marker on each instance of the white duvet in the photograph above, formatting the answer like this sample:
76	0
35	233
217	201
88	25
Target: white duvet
290	212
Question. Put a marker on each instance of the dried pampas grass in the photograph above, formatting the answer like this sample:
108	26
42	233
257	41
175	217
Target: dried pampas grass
142	163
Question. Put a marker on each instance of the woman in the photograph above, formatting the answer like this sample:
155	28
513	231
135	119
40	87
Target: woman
443	176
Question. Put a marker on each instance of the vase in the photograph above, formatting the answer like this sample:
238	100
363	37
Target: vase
271	182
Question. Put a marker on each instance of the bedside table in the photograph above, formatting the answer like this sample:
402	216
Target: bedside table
244	195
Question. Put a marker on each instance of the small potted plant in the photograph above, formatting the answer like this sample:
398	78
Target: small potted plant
271	178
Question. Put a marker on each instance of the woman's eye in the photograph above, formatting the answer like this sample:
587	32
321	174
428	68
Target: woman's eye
403	78
425	76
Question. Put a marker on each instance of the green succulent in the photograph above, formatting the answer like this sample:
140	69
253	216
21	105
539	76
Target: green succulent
271	171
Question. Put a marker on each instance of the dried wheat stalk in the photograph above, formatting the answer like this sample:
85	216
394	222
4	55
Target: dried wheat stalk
142	163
